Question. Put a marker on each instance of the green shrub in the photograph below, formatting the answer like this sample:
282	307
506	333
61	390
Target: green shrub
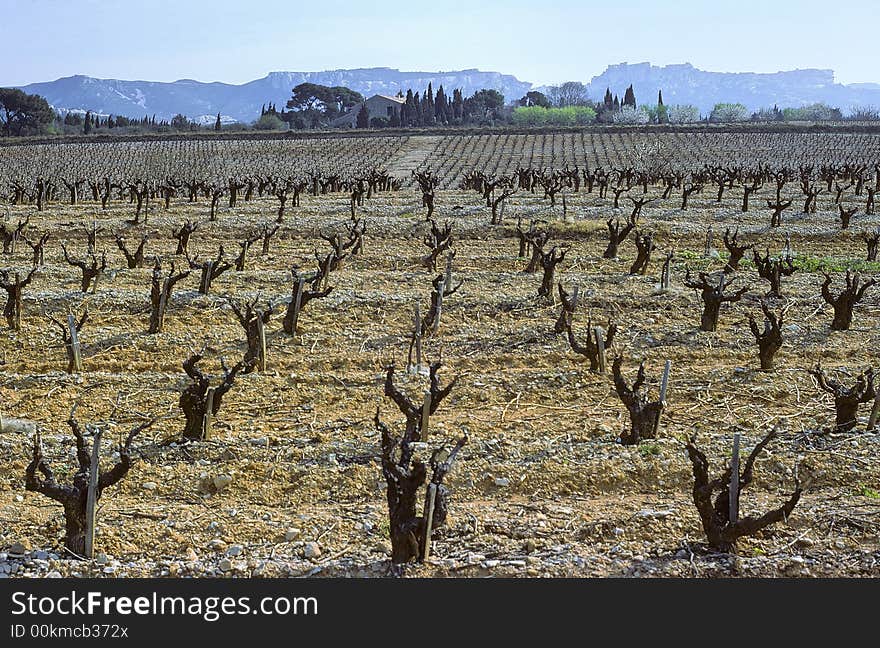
568	116
269	121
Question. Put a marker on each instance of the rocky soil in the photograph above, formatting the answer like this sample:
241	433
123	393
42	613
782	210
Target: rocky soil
290	484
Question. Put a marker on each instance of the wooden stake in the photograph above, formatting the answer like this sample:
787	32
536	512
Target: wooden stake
297	303
734	481
664	277
417	332
206	279
261	334
92	496
208	421
448	279
74	344
436	325
664	384
709	242
163	303
429	519
426	414
600	347
17	301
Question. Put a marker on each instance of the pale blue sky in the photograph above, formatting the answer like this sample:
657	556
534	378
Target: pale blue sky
541	42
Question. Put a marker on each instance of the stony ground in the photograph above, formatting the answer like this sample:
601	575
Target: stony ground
290	484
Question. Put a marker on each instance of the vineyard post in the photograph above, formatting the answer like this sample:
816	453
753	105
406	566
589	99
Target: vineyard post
436	325
163	302
734	482
426	415
74	344
664	384
664	277
786	251
17	322
298	303
709	242
599	334
208	421
429	519
261	333
206	278
417	336
92	497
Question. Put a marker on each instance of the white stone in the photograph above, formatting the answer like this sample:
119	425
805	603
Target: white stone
312	550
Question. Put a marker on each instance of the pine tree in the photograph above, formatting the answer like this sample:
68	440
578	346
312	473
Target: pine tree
629	97
218	125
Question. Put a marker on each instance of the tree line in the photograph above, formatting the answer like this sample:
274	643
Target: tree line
314	106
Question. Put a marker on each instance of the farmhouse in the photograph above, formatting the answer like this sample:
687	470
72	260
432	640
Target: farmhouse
377	106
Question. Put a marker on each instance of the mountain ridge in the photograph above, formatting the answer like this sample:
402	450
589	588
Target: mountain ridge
680	83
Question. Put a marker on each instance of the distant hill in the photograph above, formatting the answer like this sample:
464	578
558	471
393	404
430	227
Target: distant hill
685	84
680	84
242	102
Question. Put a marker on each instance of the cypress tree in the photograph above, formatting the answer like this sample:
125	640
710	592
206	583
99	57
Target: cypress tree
218	124
616	105
440	105
363	116
609	100
629	97
457	104
428	106
410	112
87	124
419	116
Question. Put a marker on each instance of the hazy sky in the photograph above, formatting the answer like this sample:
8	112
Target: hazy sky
539	41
